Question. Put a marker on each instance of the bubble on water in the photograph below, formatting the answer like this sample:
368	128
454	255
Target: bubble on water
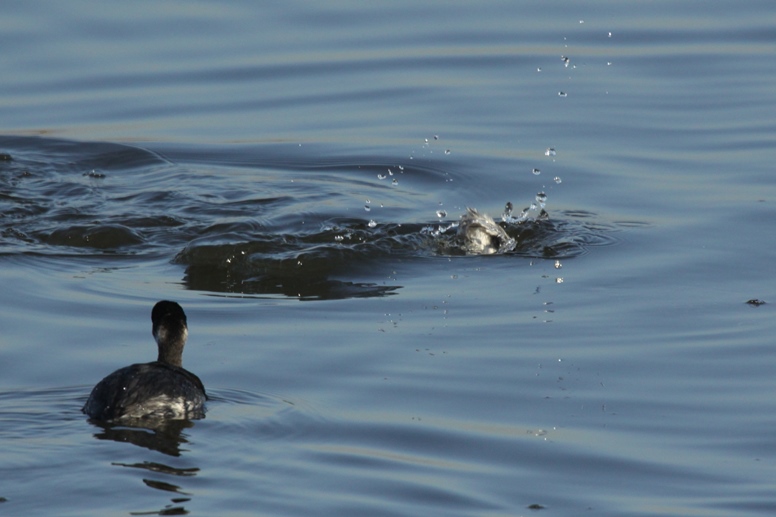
394	182
541	198
339	238
550	151
536	172
557	180
447	151
367	208
441	214
559	280
563	94
581	21
381	176
565	60
558	265
436	137
371	223
539	69
610	34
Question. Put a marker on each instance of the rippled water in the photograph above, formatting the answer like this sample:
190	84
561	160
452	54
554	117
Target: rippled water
242	158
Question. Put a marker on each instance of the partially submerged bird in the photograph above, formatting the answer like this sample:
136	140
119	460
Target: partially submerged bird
481	235
162	389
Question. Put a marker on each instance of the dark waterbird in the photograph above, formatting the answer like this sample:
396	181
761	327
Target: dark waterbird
162	389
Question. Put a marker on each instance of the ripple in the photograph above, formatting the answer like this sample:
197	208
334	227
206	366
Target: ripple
280	225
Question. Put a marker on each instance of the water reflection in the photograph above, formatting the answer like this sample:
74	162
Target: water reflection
164	486
165	436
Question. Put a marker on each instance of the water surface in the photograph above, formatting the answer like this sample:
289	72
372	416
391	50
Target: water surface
292	175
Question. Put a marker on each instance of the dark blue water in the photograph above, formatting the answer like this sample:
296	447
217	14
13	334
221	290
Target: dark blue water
292	174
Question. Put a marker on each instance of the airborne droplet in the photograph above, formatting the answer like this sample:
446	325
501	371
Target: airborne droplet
541	198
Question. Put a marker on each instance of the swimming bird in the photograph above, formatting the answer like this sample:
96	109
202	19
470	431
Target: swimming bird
481	235
162	389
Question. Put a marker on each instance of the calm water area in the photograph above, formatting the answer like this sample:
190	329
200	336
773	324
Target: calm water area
292	174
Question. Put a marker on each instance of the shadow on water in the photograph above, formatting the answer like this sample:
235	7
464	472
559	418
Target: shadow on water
262	220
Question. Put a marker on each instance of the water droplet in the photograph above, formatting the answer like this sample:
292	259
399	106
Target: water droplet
539	69
559	280
507	215
381	176
558	265
394	182
581	21
541	198
339	238
557	180
401	168
565	61
436	137
550	151
390	172
441	214
367	208
563	94
610	34
371	223
536	172
447	151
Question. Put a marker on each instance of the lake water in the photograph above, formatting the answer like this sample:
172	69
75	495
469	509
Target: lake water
292	174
